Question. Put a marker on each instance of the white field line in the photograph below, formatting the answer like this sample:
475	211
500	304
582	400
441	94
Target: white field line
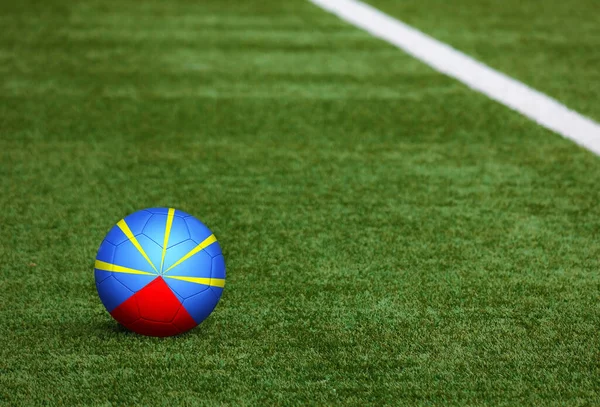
529	102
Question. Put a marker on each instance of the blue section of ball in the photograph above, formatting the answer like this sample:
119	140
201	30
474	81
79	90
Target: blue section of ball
137	220
199	265
201	305
101	275
134	282
156	227
198	230
106	252
112	293
217	291
127	255
179	232
218	267
214	249
185	289
153	250
115	236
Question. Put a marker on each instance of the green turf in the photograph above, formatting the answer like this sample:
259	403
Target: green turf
391	237
551	45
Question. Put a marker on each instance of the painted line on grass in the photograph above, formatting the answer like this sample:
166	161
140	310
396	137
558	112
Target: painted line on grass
531	103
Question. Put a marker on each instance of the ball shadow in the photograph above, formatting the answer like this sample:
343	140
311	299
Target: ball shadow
115	328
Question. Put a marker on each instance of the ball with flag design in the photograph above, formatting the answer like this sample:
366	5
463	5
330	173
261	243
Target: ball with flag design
160	272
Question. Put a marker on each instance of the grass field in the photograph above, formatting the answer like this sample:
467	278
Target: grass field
391	237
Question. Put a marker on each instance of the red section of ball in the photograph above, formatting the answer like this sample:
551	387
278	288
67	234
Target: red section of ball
154	311
127	312
183	320
157	302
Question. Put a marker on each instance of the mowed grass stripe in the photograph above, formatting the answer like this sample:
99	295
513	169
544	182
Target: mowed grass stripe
531	103
520	39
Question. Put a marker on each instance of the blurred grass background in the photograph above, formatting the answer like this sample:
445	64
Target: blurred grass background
390	236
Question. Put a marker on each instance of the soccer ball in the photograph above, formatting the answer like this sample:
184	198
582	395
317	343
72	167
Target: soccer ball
159	272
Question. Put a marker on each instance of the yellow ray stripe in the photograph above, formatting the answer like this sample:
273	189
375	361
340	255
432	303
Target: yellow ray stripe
125	228
205	243
167	233
101	265
214	282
